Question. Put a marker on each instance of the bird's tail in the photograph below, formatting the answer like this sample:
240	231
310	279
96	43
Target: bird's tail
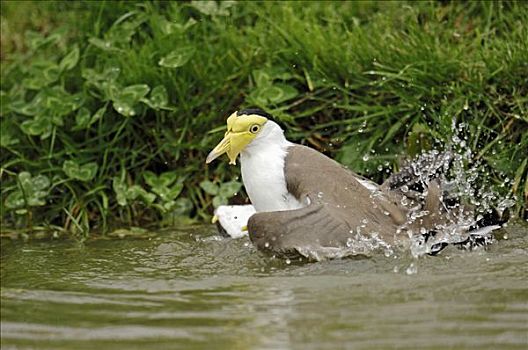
437	212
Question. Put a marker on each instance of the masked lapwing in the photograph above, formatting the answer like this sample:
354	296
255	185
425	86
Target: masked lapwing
305	202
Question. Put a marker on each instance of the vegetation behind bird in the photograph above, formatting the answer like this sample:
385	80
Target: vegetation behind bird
106	107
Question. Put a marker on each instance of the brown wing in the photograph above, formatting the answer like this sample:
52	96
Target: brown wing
340	208
286	233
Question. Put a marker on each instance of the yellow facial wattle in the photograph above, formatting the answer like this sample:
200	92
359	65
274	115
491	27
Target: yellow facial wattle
241	130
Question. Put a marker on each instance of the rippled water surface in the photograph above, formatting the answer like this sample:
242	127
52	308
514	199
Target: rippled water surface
189	289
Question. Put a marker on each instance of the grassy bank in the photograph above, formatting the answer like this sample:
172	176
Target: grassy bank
108	109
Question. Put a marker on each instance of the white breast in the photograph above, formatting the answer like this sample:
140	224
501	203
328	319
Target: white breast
262	165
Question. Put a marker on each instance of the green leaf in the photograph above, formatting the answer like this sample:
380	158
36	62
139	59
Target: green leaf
150	178
136	191
85	172
121	32
167	178
97	115
262	78
212	8
278	72
274	94
38	126
175	191
124	108
160	184
120	190
29	109
229	189
169	27
159	98
15	200
70	60
60	103
265	77
125	193
218	201
209	187
126	99
168	206
50	103
42	75
35	184
178	57
7	135
31	191
36	39
105	45
182	207
82	118
135	92
108	75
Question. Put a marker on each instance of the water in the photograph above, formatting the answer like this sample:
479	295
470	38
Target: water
190	289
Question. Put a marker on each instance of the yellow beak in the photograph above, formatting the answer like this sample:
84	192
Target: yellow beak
236	138
223	147
232	144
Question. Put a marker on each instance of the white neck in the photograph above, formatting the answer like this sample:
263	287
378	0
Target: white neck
262	165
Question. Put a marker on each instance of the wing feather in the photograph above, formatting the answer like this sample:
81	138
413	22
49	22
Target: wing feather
339	205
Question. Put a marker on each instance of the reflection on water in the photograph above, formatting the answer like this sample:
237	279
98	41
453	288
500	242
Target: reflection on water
188	289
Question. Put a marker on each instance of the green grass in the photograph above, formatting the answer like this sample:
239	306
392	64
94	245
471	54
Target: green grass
109	109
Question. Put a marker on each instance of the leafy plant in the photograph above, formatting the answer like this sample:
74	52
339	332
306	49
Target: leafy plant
221	192
114	108
166	187
30	192
125	193
270	92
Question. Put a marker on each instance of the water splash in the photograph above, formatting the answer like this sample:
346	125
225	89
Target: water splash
466	197
466	202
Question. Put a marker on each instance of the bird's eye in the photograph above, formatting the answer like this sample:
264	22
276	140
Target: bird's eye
254	128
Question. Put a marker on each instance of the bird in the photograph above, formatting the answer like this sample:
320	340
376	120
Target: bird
309	205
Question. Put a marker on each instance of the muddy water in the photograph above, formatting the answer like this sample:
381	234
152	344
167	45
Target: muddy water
189	289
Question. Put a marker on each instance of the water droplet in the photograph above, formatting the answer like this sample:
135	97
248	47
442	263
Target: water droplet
365	157
412	269
288	261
